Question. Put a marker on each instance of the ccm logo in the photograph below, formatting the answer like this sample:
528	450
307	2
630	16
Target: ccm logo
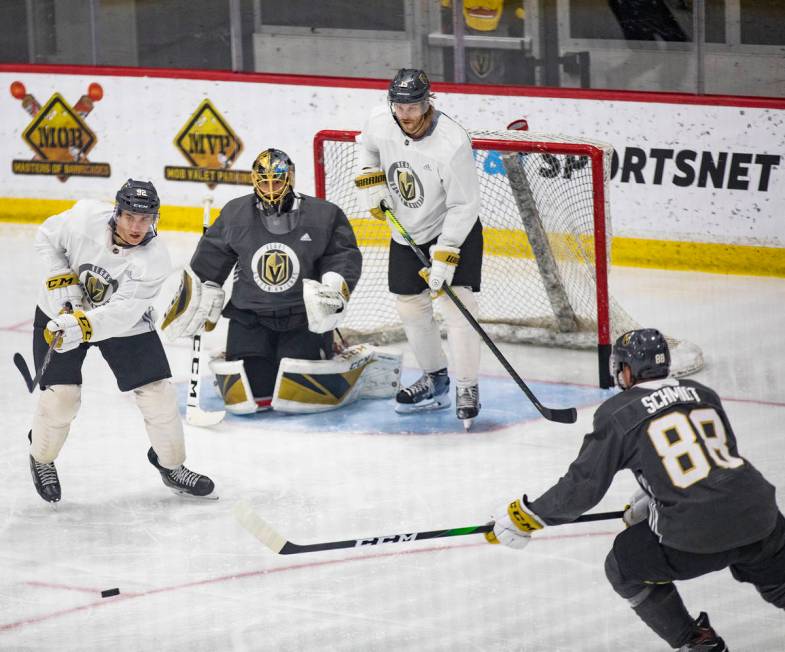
392	538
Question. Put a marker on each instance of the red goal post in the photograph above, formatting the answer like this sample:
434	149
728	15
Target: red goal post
547	231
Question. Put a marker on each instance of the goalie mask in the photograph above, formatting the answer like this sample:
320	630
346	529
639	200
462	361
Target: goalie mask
645	351
272	176
140	200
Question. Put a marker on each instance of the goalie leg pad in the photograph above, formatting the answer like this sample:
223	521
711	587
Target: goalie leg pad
308	386
157	401
462	340
422	331
233	385
57	408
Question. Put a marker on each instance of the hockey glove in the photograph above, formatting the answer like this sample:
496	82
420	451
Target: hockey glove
76	328
514	526
638	509
372	190
444	260
325	302
64	294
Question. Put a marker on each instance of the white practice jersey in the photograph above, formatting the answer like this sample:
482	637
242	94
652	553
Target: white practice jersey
432	180
119	284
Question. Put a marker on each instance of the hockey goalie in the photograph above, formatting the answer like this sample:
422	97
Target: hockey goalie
295	260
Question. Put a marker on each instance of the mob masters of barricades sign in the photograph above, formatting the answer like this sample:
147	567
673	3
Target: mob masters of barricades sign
59	135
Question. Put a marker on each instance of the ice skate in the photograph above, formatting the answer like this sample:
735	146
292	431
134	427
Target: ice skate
47	484
704	638
182	480
467	404
429	392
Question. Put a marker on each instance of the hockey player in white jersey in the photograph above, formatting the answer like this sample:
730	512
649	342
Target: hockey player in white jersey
105	267
419	161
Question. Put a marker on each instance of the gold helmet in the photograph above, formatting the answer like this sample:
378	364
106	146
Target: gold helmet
272	175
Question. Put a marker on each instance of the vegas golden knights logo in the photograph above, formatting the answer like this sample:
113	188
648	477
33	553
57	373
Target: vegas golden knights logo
275	266
481	62
95	288
403	181
98	286
406	184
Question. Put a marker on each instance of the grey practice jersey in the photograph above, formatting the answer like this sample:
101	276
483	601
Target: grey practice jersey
270	268
676	438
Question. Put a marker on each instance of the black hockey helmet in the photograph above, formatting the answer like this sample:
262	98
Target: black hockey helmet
409	86
136	196
270	166
645	351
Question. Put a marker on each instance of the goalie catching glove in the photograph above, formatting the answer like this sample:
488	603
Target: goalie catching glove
75	328
372	191
514	525
195	307
325	302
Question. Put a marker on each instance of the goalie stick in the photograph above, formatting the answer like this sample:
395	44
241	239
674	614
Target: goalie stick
21	364
194	414
560	415
265	533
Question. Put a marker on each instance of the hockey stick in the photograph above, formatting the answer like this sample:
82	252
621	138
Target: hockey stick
21	364
194	414
263	531
561	415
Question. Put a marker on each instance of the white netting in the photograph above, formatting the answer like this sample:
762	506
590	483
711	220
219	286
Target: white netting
514	302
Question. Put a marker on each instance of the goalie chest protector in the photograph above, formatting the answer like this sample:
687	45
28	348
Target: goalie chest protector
270	267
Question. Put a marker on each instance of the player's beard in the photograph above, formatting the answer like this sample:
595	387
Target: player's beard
418	131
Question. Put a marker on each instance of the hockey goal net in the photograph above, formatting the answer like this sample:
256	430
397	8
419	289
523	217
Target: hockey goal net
547	232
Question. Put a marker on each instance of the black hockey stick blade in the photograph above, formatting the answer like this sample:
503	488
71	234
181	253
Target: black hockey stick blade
559	415
21	364
265	533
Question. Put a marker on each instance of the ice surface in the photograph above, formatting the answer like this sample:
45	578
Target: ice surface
191	578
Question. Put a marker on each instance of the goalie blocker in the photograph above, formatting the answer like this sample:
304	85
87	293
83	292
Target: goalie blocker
309	386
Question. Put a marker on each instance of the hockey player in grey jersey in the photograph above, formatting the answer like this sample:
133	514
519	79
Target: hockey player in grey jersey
701	507
105	269
277	241
419	161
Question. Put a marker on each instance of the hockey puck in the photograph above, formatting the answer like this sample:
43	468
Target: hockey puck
109	593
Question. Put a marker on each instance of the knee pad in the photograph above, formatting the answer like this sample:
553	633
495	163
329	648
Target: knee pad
57	408
157	402
415	308
422	331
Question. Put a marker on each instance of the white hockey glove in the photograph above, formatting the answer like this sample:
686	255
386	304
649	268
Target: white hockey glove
638	509
372	190
325	302
196	306
64	294
444	260
76	328
514	525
